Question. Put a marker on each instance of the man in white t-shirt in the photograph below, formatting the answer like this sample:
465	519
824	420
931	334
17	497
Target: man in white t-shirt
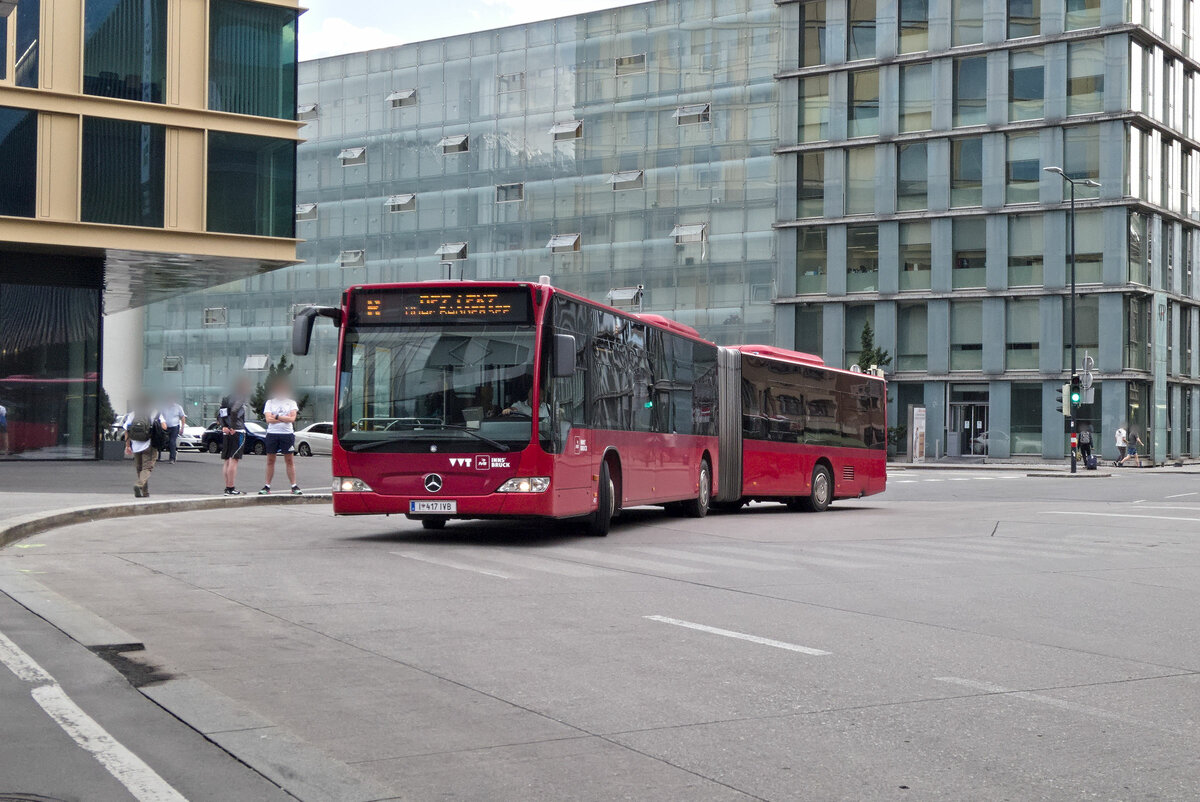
280	413
176	419
1122	437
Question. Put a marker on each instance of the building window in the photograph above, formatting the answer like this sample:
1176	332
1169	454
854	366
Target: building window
563	243
402	98
251	185
511	82
970	91
631	65
352	157
565	131
1081	151
860	180
1026	244
18	162
857	318
452	251
916	97
862	258
216	316
1082	14
864	103
123	165
252	58
1089	247
1026	85
812	33
307	112
1139	251
1025	401
966	18
685	233
1024	18
510	193
966	335
811	181
912	337
810	329
811	261
20	23
966	171
1023	168
306	212
916	256
814	108
401	203
1087	328
693	114
629	179
1085	77
912	183
172	364
460	143
969	243
914	26
125	49
355	258
861	44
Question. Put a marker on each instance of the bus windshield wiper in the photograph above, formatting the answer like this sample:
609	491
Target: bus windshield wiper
465	430
370	444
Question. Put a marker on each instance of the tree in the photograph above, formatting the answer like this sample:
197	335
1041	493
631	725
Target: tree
282	368
868	354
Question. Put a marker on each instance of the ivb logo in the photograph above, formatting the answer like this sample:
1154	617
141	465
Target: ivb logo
460	462
481	463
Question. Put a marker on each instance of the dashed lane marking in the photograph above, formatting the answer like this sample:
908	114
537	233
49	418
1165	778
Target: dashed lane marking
778	644
450	564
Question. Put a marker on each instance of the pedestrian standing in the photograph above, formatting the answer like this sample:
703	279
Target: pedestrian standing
280	412
1085	443
232	417
176	419
1133	445
1122	438
145	433
3	429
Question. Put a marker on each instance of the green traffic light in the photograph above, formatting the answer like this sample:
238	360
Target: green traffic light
1074	398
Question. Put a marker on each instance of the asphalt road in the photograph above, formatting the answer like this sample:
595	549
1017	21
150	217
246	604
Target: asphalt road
967	635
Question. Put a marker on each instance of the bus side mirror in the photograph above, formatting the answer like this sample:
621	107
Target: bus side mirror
564	356
302	326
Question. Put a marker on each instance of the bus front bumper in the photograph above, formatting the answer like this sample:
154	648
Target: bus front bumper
490	505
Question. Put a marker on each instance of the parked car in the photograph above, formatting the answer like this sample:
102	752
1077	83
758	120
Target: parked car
193	436
316	438
256	438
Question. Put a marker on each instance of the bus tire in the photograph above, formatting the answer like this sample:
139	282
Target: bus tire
434	524
698	506
601	520
820	494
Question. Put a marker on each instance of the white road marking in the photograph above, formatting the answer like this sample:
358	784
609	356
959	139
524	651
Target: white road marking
450	564
726	562
1122	515
1181	495
778	644
1062	704
625	562
529	562
130	770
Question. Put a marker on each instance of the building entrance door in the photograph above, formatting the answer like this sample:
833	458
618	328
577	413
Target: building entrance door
968	422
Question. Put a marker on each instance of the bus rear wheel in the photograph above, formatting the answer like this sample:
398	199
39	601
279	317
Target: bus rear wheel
606	504
820	494
698	507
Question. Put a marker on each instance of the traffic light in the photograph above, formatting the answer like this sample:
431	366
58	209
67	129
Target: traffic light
1062	402
1076	391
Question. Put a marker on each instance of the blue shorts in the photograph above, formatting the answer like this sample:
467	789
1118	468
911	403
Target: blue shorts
281	443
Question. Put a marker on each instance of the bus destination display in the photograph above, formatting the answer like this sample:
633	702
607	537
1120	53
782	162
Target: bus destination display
443	305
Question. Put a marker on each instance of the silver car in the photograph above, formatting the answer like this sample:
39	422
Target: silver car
316	438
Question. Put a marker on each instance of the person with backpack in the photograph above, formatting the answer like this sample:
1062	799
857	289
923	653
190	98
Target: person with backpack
145	436
1085	447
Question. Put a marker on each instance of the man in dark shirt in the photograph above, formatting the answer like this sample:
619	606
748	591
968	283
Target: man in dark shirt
232	417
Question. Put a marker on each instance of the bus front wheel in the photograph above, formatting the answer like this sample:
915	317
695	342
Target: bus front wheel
601	520
819	495
698	507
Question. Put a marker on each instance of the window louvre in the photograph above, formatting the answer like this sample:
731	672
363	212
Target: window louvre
690	232
692	114
567	130
630	179
563	243
256	362
402	98
216	316
172	364
350	157
402	203
512	82
510	193
297	309
631	65
307	111
458	143
306	211
452	250
352	258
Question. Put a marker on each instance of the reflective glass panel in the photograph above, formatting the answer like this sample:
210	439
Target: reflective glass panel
914	26
18	162
912	185
28	29
916	93
862	30
1024	18
1023	168
812	33
966	171
812	261
1026	85
969	235
252	59
814	108
122	166
862	258
915	256
970	91
1082	14
1026	246
125	49
1082	152
912	337
966	335
860	180
864	103
811	185
1085	77
966	22
251	185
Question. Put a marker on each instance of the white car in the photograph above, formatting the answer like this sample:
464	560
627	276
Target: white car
190	437
316	438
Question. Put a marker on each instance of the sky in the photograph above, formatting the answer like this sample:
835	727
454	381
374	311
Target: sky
332	27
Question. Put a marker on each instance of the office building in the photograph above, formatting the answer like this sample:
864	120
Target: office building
784	172
146	149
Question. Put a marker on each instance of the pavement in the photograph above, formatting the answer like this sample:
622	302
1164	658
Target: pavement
970	634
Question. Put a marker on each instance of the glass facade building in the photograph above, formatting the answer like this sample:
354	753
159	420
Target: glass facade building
783	172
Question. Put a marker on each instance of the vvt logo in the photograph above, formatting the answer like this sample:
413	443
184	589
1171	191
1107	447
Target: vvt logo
460	462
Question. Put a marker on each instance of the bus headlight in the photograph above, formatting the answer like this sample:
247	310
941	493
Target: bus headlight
348	484
525	484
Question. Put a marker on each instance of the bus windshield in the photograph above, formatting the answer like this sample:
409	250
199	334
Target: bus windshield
449	388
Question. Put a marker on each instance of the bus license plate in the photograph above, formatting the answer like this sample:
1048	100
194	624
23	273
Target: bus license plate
439	507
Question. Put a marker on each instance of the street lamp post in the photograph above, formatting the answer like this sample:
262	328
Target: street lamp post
1087	182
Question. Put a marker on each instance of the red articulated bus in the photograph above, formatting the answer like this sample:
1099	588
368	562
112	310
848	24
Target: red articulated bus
463	399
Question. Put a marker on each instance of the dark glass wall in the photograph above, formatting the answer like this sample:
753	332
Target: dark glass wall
125	49
123	165
49	357
29	34
252	59
251	185
18	162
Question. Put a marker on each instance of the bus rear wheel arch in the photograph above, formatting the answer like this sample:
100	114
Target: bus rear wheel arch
607	497
698	507
820	491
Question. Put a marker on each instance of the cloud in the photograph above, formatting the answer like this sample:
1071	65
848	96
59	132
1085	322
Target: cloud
333	36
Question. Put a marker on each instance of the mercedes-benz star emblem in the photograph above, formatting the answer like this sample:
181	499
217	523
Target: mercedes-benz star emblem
433	482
